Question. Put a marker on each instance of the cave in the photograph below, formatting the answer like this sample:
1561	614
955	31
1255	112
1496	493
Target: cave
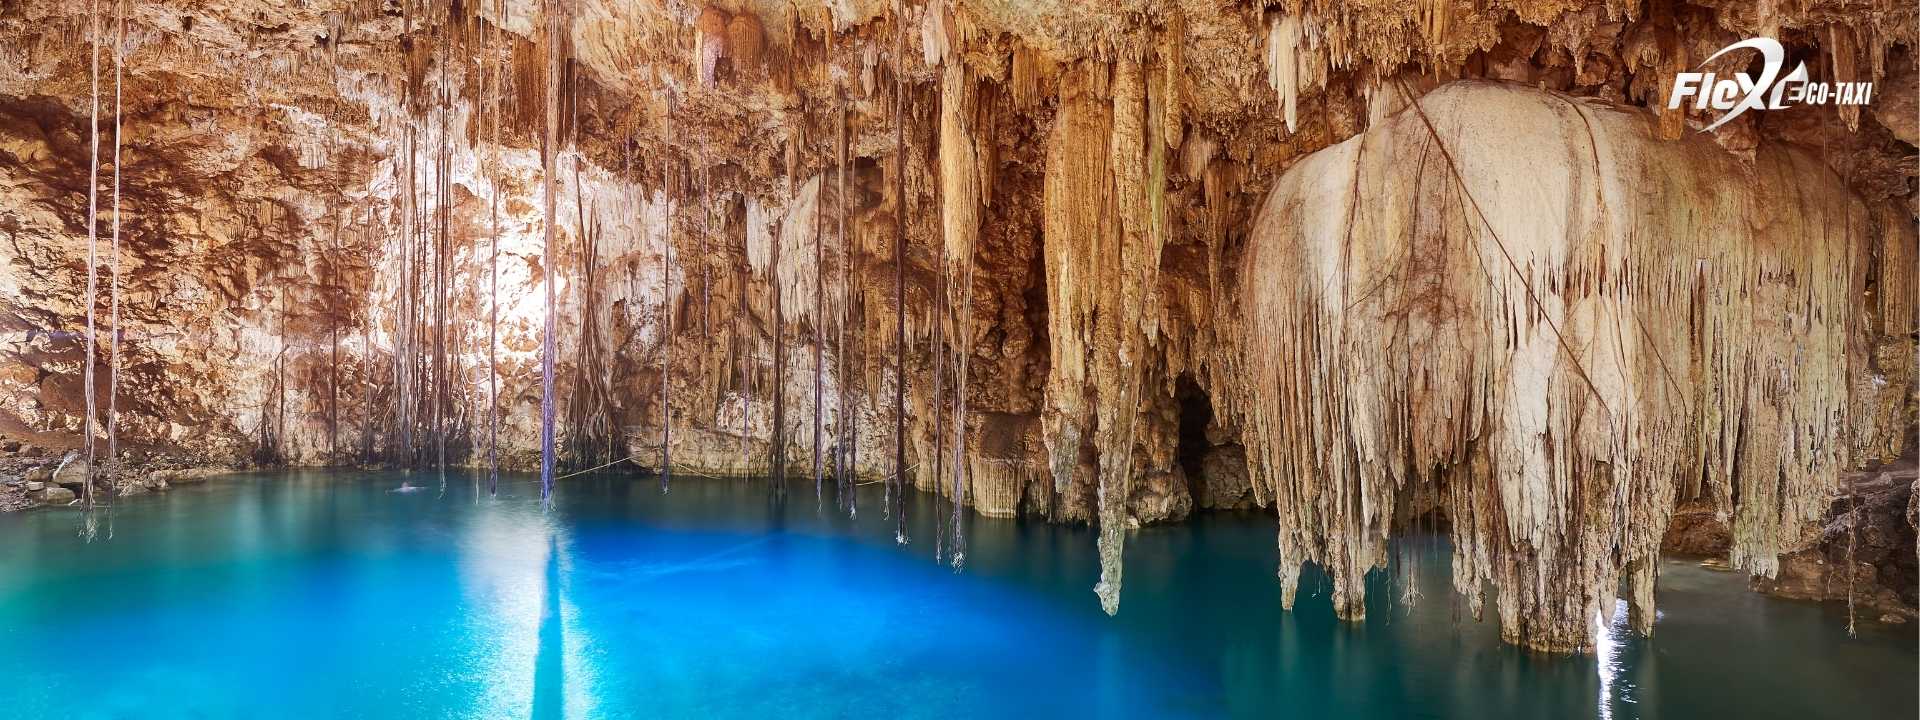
578	358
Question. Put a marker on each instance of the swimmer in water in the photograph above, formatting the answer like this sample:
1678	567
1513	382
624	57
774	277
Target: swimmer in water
406	487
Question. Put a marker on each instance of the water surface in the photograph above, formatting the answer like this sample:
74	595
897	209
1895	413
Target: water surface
328	595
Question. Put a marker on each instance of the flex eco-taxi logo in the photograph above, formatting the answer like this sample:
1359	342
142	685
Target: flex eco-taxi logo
1771	91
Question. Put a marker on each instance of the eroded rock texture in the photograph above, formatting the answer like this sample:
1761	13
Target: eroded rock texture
1158	256
1550	349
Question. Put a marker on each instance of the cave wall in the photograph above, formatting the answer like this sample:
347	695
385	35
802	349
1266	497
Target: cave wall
1109	216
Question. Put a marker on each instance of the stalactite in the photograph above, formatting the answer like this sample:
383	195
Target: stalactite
1517	359
961	170
1294	62
1135	194
1898	283
1030	66
1076	196
1105	226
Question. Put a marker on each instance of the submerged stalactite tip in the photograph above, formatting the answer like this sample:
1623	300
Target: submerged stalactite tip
1375	268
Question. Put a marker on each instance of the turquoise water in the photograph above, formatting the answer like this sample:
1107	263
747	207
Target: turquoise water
326	595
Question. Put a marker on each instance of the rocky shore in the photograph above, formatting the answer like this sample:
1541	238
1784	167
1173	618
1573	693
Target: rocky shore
1865	553
33	476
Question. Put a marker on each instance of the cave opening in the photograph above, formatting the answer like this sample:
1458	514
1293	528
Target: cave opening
1195	413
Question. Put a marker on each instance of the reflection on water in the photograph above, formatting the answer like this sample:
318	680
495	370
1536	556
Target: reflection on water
327	595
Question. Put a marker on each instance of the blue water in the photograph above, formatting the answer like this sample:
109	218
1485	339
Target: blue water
325	595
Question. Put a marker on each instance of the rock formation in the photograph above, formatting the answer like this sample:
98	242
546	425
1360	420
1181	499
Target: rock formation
1368	266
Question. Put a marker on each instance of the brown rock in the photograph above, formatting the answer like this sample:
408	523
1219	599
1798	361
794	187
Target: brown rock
1696	530
1223	483
74	473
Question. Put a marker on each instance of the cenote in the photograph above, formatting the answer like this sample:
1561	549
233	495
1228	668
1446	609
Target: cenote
329	594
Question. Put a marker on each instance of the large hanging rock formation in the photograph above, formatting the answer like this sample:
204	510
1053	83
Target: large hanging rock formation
1549	348
1155	257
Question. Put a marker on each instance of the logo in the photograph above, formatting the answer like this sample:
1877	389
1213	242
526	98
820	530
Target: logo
1770	91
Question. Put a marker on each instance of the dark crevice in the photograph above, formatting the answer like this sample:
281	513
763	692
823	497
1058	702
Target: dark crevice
1196	413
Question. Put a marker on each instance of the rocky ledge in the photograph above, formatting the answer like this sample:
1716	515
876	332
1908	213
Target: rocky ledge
1864	553
33	476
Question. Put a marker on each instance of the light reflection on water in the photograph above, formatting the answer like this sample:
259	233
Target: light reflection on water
325	595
